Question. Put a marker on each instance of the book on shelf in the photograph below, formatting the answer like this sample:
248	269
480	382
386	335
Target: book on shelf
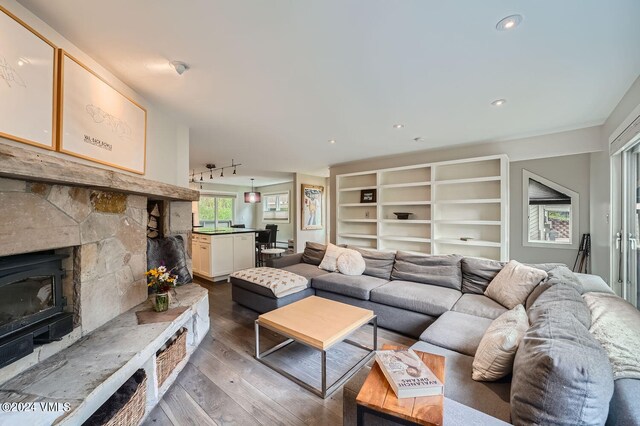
407	374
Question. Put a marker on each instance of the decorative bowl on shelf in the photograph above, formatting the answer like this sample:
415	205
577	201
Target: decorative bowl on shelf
402	215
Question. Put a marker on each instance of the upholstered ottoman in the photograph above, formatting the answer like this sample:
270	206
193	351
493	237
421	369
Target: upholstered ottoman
265	289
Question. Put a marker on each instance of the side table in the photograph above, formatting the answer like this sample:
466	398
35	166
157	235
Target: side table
377	397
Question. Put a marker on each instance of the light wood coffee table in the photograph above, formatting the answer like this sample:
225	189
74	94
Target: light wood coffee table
319	324
376	396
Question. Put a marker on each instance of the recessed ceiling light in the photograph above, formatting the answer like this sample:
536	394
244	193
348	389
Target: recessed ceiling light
509	23
332	141
499	102
398	126
179	66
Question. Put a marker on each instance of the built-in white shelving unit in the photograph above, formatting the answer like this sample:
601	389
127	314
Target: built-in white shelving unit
456	206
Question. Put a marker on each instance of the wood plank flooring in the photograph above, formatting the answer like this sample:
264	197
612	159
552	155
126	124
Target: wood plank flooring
223	384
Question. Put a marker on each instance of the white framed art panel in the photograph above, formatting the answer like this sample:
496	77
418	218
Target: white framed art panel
99	123
28	74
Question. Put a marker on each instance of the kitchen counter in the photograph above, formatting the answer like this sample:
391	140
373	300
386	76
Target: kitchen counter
223	231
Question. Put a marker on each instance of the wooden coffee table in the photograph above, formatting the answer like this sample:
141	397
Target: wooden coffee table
376	396
319	324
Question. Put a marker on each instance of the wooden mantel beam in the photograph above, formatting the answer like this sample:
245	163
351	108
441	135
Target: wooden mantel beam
30	165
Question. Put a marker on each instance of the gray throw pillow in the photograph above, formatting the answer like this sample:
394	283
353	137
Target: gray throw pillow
477	273
379	264
561	374
558	275
564	298
440	270
313	253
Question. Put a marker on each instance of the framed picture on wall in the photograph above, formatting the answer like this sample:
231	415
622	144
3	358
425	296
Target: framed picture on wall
312	206
368	196
28	75
97	122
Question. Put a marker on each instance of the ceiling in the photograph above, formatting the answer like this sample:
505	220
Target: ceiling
271	82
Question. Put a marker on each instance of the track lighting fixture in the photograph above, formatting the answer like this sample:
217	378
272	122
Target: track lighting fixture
211	167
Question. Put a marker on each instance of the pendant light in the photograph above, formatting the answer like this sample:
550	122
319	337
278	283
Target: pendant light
253	196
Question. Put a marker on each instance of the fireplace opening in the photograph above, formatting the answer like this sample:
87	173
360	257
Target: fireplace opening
31	303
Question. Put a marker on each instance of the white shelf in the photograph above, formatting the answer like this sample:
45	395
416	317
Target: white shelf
358	205
358	188
405	185
408	221
468	222
402	238
363	236
359	220
406	203
471	201
467	180
479	243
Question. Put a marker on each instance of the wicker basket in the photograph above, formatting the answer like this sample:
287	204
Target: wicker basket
131	412
167	360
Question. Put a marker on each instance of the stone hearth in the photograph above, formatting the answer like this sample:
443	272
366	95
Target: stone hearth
104	234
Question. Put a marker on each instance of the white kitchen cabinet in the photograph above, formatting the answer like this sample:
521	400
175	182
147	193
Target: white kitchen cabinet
217	256
244	248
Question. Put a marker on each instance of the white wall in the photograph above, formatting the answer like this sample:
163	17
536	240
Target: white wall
285	230
554	156
167	140
316	235
570	171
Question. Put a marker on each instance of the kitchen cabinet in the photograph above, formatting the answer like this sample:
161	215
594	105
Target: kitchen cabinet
217	256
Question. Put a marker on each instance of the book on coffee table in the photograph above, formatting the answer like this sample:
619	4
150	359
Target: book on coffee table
408	376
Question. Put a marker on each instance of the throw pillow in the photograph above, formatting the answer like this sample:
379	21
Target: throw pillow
350	262
497	349
330	259
513	284
477	273
313	253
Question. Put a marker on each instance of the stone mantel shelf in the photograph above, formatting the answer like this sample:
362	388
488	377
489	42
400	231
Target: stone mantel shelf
88	372
26	164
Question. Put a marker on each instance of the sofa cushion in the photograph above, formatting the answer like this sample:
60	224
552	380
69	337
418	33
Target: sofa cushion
497	349
489	397
350	262
479	305
378	264
427	299
358	286
457	331
306	270
442	270
561	374
313	253
514	283
477	273
557	275
624	408
564	298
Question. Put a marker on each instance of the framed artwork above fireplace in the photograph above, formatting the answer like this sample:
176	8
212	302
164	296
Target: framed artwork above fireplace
28	74
97	122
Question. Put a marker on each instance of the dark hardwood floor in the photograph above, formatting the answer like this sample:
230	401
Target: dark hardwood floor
222	384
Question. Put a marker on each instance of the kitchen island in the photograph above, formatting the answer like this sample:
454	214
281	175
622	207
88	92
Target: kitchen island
216	253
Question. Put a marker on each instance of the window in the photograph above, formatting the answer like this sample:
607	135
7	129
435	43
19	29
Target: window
550	213
215	211
275	207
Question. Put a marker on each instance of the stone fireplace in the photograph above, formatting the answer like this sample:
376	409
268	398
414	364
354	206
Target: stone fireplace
98	220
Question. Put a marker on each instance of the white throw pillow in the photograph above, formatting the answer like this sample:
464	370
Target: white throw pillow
350	262
329	261
497	349
514	283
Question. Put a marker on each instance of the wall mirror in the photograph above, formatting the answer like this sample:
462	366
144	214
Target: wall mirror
550	213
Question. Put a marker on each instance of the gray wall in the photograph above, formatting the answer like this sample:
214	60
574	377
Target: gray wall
570	171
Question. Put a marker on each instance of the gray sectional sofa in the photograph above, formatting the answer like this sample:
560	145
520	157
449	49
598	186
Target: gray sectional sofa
440	301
